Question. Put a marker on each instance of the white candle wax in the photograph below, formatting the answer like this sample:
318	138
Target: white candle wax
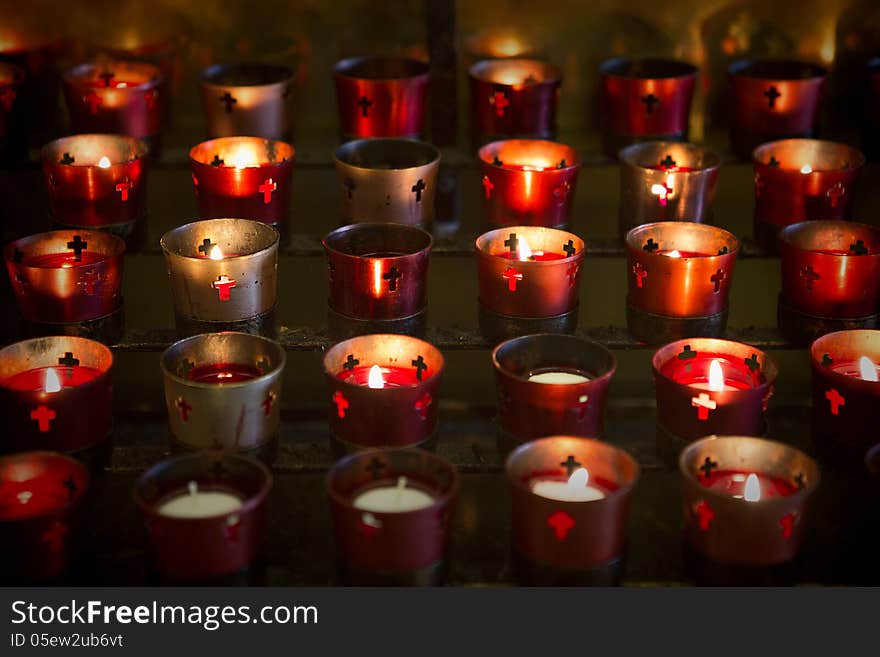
200	504
558	376
393	499
576	489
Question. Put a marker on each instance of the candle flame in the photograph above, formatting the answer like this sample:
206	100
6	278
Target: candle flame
523	249
716	376
193	489
578	479
806	169
752	490
375	379
867	369
243	157
104	162
216	253
675	253
52	383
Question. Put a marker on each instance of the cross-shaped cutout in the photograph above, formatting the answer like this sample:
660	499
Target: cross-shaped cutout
393	275
184	408
123	189
707	467
687	353
717	278
364	103
772	94
800	480
69	361
266	190
267	403
67	158
499	101
497	160
71	487
859	248
417	189
184	367
561	523
150	98
350	363
89	281
667	162
562	164
229	100
571	273
773	162
651	246
17	255
224	286
106	77
835	401
488	186
341	403
263	364
641	274
512	243
753	363
704	515
560	193
827	360
217	161
787	523
43	416
650	102
570	464
94	101
809	276
375	467
423	404
512	276
835	193
420	365
77	246
205	247
703	403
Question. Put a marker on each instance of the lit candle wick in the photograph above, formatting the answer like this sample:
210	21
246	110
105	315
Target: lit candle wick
675	253
524	251
806	169
53	383
867	369
216	253
375	379
193	489
716	377
579	479
401	486
752	490
104	162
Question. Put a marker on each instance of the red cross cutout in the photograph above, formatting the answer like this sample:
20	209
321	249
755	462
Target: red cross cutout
561	523
267	403
488	186
717	278
641	274
195	183
7	97
787	523
423	404
43	415
809	275
704	403
233	522
94	101
150	97
370	525
512	275
663	196
835	400
572	273
54	536
835	193
267	188
123	189
561	192
184	409
223	285
500	102
341	403
705	515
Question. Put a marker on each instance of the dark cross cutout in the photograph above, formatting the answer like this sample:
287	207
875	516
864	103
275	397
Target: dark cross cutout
67	158
70	485
800	480
827	360
687	353
667	162
772	94
106	77
773	161
707	467
570	464
752	362
78	246
718	278
263	364
217	161
859	248
809	276
723	250
641	274
349	185
569	248
364	103
651	246
184	409
418	188
650	101
185	367
488	186
350	363
205	247
497	160
392	276
562	164
420	365
375	467
228	100
512	243
68	360
17	255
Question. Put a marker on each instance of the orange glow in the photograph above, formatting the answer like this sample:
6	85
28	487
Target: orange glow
104	162
716	377
52	383
524	251
752	490
506	46
806	169
244	156
675	253
867	369
375	379
216	253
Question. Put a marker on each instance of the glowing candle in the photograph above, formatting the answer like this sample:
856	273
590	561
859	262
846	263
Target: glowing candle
867	369
393	499
576	489
559	376
200	504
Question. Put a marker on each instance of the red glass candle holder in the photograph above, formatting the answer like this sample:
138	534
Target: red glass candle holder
802	180
528	182
846	394
666	181
567	540
41	496
644	100
513	98
381	96
56	394
384	392
389	540
773	99
528	280
709	386
378	279
223	547
223	275
67	282
738	528
223	392
388	180
248	99
679	277
830	279
13	142
97	181
116	97
550	385
243	177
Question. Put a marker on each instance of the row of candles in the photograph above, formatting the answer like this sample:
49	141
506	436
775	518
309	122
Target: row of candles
746	499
